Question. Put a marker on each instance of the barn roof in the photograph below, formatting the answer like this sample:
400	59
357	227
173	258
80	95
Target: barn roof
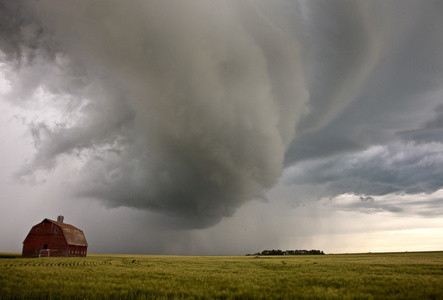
73	235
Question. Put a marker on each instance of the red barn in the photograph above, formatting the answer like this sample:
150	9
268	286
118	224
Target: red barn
51	238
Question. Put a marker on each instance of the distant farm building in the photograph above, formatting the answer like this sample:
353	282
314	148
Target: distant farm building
55	238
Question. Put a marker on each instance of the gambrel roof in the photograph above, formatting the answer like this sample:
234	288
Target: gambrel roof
73	235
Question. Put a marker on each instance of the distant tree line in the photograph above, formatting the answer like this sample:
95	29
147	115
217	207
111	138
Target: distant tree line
289	252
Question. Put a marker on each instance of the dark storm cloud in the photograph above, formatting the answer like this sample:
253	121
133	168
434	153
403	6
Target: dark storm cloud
373	70
380	170
383	133
193	108
182	108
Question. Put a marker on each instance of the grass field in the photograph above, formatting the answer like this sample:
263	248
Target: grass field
347	276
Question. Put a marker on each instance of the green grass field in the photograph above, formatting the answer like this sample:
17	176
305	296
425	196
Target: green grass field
350	276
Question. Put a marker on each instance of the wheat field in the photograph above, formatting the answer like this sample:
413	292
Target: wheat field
345	276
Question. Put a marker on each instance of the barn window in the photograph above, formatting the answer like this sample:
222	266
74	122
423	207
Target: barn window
56	230
45	246
38	229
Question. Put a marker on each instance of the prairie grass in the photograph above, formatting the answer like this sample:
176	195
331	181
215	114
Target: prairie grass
351	276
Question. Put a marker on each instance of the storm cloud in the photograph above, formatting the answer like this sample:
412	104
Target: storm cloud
183	108
192	108
379	170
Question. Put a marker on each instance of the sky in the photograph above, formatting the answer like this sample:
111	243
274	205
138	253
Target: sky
223	127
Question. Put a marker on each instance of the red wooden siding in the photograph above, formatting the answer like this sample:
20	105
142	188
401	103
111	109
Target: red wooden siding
50	238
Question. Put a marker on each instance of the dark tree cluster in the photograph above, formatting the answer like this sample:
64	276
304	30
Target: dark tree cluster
289	252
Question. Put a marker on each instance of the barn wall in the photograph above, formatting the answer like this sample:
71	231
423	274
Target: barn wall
45	239
77	251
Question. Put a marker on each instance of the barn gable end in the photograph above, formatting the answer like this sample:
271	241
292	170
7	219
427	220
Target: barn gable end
54	238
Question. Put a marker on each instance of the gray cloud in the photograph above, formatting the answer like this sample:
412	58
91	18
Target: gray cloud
186	109
370	80
406	205
396	168
190	109
430	132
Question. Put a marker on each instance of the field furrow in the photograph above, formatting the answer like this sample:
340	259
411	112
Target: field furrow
354	276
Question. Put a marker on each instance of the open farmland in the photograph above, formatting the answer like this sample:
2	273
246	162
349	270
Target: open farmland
351	276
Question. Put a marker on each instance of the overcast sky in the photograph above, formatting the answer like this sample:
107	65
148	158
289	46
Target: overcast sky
223	127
